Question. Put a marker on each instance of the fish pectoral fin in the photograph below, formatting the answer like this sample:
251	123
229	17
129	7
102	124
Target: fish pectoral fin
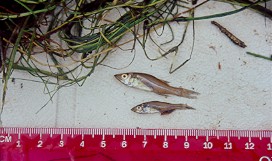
148	85
166	112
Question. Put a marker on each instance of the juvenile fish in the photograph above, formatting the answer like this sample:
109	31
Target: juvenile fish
150	83
159	107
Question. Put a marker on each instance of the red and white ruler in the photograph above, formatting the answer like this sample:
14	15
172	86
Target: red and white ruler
87	144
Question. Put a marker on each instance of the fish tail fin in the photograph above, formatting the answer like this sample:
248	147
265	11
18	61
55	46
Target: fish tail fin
188	107
184	107
182	92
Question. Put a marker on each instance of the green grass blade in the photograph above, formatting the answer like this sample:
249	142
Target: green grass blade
11	63
259	56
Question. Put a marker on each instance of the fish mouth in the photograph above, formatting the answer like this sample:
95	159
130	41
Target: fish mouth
118	76
133	109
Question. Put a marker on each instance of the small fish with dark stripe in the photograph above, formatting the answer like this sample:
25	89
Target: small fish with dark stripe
150	83
159	107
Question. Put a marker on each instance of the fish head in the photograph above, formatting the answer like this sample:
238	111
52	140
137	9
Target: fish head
139	109
125	78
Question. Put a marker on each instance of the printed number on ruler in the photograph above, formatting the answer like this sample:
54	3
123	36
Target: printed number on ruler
186	145
227	145
208	145
249	146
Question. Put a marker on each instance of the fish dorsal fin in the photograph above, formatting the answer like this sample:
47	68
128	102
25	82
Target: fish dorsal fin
165	112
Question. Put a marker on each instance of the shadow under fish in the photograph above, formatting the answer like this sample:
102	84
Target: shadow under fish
150	83
159	107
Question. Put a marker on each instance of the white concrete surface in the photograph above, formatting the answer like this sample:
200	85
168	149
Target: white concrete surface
239	96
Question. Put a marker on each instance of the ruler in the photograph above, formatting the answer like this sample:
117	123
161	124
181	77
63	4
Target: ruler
110	144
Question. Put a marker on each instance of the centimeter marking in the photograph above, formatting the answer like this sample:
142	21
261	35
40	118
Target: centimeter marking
136	132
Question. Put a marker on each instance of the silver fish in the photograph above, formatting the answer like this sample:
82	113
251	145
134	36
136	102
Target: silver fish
150	83
159	107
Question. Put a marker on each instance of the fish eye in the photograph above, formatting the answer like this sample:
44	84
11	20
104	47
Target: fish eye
139	108
124	76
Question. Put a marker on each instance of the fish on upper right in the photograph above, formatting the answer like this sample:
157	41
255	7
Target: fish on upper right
148	82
